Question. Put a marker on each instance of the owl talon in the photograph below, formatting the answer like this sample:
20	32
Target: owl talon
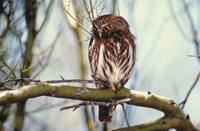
115	90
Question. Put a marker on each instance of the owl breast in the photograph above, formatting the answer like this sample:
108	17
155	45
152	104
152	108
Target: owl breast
113	62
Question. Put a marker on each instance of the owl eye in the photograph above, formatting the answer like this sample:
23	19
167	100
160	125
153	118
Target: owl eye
100	23
109	27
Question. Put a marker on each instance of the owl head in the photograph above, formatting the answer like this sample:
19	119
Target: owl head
109	25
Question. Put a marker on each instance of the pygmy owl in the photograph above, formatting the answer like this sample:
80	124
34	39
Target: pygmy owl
111	55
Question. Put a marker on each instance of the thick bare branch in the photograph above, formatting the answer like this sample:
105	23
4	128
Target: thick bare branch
146	99
162	124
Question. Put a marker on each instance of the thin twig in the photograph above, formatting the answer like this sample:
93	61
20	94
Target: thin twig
91	9
49	55
85	4
191	21
46	16
54	81
8	67
125	116
192	26
93	112
197	56
76	81
77	22
182	104
76	106
113	103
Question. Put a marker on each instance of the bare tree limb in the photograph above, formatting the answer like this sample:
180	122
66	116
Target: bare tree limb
162	124
173	118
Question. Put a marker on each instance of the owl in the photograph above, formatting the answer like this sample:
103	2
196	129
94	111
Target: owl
111	55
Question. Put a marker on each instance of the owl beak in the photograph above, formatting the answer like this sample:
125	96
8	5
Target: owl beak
100	32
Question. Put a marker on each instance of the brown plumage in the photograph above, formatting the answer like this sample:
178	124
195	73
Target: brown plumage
111	55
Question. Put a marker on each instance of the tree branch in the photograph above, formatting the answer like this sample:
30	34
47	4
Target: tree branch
146	99
162	124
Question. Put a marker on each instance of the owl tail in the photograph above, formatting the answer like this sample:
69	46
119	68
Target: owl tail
105	113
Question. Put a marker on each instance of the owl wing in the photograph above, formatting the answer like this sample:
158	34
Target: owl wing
90	49
93	55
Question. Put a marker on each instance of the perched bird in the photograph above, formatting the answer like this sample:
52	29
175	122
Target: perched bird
111	55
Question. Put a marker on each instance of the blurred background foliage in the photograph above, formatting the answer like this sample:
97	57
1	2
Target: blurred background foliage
39	39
